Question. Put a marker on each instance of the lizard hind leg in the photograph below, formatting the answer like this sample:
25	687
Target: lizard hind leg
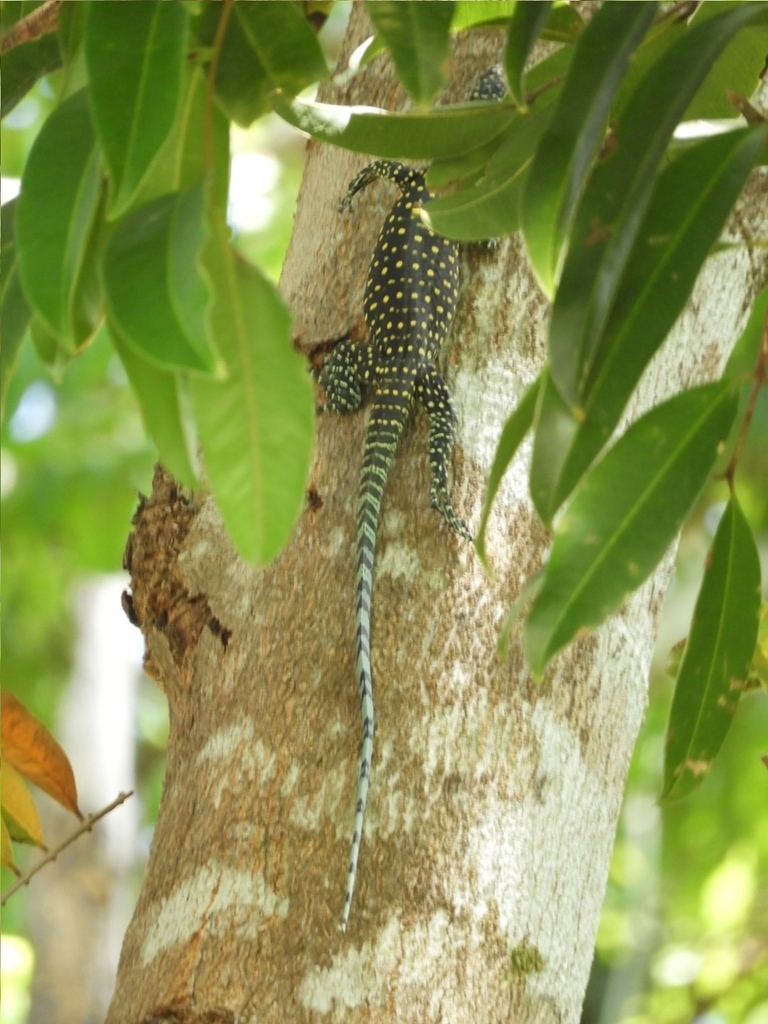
432	393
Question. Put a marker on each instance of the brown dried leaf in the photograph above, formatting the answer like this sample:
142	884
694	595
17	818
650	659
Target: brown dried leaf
33	751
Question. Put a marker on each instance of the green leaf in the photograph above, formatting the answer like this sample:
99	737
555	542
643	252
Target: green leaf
743	359
242	85
50	353
690	204
625	514
285	44
365	53
617	195
737	68
155	294
717	656
544	78
490	206
576	132
741	369
417	35
56	224
71	33
564	24
180	163
442	132
484	209
71	30
256	427
515	429
471	13
159	396
15	313
24	65
662	34
466	167
555	433
524	29
758	669
550	72
135	55
11	13
267	45
518	607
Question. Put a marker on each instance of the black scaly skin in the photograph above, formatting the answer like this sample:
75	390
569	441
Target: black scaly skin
410	296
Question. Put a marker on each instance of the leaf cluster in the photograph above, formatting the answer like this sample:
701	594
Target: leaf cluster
121	221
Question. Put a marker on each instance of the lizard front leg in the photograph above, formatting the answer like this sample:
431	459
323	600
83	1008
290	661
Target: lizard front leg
345	376
432	392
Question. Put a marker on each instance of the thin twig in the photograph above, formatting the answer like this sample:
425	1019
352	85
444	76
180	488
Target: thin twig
218	41
84	826
40	22
535	93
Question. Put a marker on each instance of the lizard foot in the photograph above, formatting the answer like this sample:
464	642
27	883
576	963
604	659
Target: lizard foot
442	504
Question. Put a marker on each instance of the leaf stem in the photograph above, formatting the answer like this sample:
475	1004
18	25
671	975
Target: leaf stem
218	39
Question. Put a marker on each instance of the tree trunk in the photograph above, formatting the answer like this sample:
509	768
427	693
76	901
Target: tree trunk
493	801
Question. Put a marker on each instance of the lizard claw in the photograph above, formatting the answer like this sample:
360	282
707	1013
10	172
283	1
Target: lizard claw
441	503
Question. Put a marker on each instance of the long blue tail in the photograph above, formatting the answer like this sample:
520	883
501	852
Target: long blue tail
388	418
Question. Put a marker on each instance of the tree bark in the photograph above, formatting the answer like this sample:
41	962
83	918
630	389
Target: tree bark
493	802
